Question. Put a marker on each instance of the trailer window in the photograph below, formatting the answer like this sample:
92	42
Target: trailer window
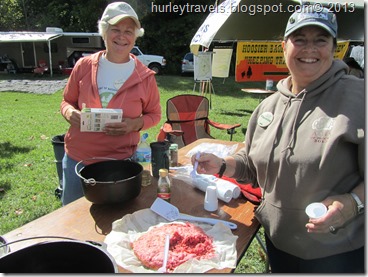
80	40
54	47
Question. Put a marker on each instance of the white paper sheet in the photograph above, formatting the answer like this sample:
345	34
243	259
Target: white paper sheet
131	226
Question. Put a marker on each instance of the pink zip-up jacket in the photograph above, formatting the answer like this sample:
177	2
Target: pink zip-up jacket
139	96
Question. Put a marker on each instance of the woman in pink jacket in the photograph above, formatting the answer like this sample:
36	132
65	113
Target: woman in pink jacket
113	79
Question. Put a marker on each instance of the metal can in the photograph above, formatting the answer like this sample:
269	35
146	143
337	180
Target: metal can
269	84
173	154
146	178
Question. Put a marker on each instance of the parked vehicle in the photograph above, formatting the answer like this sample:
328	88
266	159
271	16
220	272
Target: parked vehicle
154	62
187	64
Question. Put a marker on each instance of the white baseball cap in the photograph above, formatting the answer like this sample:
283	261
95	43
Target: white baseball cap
117	11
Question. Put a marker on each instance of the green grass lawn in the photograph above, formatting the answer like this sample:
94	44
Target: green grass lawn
28	122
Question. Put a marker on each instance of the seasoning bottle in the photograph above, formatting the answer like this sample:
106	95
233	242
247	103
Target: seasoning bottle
173	154
164	186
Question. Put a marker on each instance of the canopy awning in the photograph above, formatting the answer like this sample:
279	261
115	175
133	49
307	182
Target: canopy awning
7	37
236	20
27	36
212	24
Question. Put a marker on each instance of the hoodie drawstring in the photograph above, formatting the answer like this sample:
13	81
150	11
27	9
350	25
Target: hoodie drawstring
289	146
287	104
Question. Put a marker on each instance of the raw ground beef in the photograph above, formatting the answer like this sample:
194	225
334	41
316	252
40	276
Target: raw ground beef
187	241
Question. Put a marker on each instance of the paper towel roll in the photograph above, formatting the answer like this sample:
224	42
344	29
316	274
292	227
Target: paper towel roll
225	189
202	182
224	185
224	194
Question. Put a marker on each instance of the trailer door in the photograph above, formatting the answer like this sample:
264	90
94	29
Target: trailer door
28	55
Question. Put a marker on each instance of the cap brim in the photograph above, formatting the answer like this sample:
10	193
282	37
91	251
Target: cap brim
319	24
118	18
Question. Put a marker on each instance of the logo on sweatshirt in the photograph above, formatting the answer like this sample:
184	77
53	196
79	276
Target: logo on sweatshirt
322	128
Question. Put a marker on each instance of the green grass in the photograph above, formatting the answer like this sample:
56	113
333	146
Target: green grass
28	175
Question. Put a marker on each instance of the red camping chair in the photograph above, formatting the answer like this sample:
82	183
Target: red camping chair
41	68
187	120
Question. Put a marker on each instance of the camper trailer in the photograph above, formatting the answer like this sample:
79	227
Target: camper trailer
25	51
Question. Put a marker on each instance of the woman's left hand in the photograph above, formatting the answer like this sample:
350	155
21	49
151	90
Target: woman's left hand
340	209
120	128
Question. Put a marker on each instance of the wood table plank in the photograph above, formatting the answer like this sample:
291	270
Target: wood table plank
83	220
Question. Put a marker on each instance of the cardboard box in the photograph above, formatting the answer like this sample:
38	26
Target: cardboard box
94	119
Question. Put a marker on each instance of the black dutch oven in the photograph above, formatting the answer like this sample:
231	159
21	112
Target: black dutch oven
69	256
110	182
4	247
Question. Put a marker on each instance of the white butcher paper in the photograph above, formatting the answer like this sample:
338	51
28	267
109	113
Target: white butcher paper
129	228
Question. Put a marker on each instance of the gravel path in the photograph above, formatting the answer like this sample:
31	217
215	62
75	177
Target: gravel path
33	86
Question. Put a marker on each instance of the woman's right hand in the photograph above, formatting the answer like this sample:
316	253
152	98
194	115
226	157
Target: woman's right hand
73	116
207	163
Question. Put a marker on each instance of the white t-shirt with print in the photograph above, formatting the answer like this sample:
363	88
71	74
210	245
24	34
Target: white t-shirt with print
111	76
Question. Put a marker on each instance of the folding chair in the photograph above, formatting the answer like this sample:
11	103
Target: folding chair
187	120
41	68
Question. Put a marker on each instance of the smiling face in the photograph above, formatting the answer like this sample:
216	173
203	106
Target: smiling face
119	40
308	54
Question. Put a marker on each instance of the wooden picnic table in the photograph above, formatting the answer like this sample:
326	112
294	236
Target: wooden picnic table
83	220
257	92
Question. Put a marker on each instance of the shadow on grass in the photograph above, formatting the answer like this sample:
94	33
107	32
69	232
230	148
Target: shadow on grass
7	150
175	83
237	112
186	83
4	187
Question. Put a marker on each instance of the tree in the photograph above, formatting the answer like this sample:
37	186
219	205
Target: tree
168	31
11	15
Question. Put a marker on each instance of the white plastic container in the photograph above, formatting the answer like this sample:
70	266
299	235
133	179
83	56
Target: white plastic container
210	199
316	210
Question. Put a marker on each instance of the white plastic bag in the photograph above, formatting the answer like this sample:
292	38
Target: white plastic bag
217	149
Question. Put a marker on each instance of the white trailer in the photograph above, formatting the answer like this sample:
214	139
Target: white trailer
55	47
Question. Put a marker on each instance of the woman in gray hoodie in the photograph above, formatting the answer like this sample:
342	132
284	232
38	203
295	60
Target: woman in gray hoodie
304	144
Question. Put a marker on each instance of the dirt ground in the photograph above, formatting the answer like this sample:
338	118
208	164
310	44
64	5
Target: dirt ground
33	86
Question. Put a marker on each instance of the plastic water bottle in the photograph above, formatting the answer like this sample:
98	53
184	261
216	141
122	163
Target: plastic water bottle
143	156
143	153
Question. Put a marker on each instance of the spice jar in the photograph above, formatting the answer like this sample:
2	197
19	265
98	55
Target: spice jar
164	185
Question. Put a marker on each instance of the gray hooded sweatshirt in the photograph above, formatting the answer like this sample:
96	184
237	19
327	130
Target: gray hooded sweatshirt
302	148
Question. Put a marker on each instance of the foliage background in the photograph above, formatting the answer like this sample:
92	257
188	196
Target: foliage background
166	33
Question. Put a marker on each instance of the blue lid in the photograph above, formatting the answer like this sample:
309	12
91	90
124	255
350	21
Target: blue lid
144	137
